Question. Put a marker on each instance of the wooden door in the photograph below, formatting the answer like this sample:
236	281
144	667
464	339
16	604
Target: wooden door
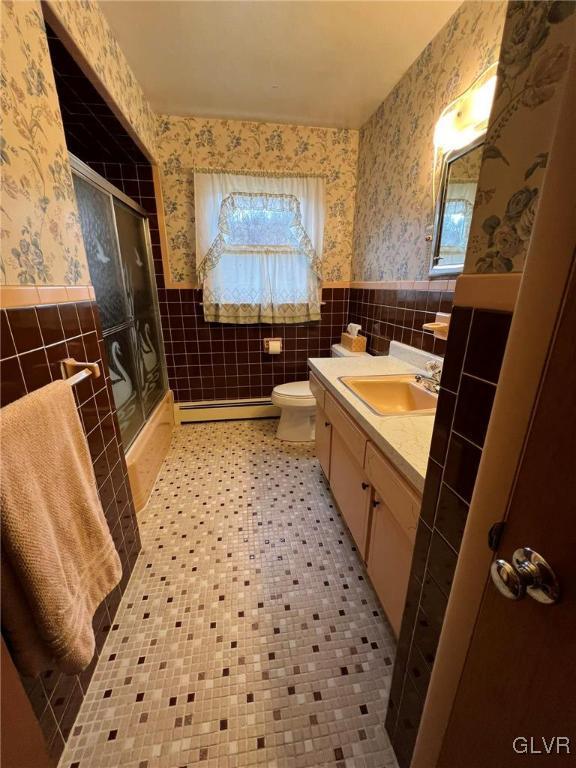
323	440
518	686
389	559
351	490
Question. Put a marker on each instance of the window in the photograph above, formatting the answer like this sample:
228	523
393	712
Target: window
259	247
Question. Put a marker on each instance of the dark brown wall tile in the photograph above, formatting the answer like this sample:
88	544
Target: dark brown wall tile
442	425
475	400
11	381
7	348
25	328
441	562
461	466
488	337
397	315
431	490
444	509
451	516
60	331
50	324
456	347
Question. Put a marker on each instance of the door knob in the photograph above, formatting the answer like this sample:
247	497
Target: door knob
528	573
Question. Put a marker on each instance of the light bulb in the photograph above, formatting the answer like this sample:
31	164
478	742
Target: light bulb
446	132
482	99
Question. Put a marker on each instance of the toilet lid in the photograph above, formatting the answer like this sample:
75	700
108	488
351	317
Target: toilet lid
294	389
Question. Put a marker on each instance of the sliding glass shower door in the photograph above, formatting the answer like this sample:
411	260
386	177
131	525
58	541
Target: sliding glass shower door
115	231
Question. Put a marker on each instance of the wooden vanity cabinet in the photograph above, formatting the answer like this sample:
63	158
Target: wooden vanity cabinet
379	506
389	560
323	440
351	490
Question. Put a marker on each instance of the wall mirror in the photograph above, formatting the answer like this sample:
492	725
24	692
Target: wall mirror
454	207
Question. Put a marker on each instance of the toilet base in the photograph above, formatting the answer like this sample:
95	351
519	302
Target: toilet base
297	425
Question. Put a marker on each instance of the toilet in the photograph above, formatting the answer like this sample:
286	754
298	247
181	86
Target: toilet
298	405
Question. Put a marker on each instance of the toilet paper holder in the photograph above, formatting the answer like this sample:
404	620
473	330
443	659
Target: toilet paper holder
272	339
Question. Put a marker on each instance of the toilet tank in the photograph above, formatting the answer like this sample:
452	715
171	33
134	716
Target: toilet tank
337	350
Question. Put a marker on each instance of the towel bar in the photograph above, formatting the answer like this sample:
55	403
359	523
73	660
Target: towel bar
75	372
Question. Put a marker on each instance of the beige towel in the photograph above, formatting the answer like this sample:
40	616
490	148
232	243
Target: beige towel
58	558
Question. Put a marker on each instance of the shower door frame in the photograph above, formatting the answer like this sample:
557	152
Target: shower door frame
89	175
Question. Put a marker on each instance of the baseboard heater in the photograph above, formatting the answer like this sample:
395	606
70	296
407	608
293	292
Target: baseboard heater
221	410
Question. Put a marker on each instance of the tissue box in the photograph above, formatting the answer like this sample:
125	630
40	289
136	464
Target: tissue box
353	343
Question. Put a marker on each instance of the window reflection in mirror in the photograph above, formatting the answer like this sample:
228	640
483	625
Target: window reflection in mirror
454	211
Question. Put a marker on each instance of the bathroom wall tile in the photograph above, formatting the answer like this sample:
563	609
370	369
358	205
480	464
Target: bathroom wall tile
456	347
397	314
426	636
475	399
7	348
46	335
25	328
442	562
461	466
409	714
419	671
49	726
50	324
442	425
488	337
69	319
433	601
447	491
431	489
35	369
451	516
12	384
421	548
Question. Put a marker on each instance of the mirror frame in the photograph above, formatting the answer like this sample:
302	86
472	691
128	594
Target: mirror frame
436	270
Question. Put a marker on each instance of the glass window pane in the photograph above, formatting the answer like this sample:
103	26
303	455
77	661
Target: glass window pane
123	375
148	354
134	250
99	233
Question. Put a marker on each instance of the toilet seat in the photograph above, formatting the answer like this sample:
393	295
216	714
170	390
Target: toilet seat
295	394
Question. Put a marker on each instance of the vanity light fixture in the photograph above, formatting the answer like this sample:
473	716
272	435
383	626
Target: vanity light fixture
466	118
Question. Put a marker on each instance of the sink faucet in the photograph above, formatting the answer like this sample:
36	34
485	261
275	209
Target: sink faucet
430	380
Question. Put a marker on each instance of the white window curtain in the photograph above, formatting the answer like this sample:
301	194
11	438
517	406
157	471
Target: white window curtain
259	246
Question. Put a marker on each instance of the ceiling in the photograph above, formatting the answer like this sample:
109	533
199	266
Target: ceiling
308	62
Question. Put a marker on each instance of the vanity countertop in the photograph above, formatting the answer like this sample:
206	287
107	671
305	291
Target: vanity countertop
404	440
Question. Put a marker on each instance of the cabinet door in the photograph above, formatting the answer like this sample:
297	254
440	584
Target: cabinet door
389	562
351	490
323	440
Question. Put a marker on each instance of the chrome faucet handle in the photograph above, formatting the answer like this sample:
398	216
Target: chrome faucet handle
434	369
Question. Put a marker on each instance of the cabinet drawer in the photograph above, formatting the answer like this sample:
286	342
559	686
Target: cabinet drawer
353	437
393	490
317	390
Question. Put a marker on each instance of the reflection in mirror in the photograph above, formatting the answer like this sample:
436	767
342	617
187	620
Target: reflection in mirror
454	209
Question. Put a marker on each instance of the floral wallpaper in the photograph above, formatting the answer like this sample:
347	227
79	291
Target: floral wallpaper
89	29
40	235
537	43
396	152
186	142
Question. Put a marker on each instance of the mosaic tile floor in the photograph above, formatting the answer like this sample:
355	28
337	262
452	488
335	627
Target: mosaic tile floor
249	634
